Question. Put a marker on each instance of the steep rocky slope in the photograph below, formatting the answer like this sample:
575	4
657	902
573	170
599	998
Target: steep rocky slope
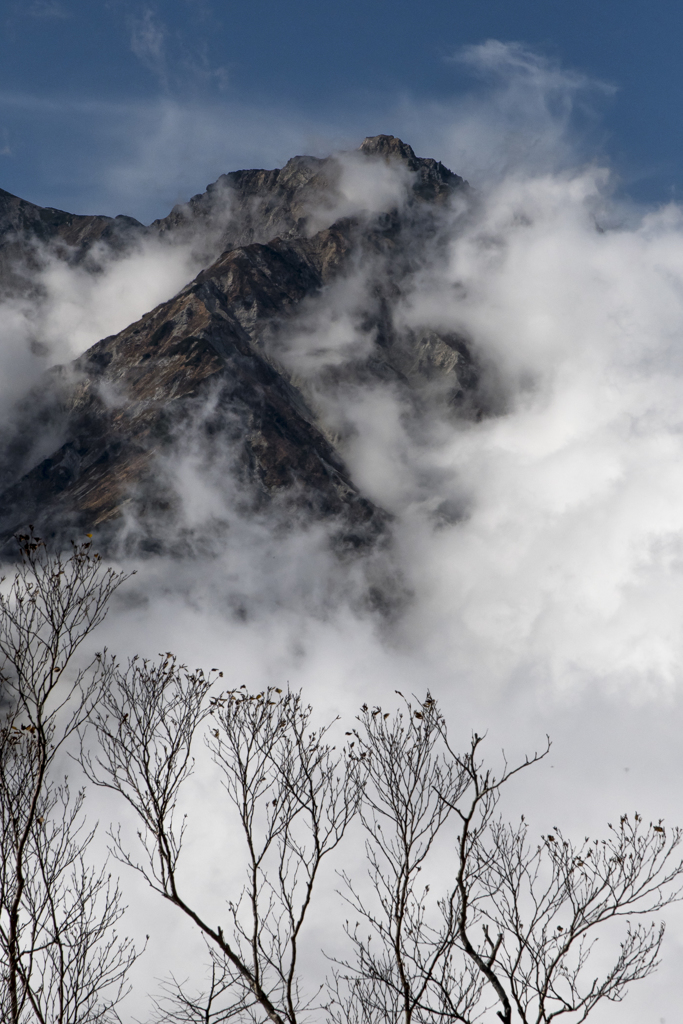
28	231
91	446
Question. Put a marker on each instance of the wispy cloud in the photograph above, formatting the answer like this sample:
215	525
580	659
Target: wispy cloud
148	43
47	9
142	157
508	61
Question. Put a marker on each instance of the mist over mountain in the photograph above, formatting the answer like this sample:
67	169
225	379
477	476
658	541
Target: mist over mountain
83	449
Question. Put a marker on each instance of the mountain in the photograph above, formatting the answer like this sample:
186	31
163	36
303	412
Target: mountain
25	231
92	447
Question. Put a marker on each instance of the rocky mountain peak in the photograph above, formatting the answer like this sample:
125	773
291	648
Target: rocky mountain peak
434	181
389	146
211	362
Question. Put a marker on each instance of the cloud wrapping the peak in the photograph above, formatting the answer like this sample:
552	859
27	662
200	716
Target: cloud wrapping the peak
70	306
565	563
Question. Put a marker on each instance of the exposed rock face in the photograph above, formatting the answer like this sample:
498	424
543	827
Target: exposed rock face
22	221
25	229
263	204
91	440
433	181
130	395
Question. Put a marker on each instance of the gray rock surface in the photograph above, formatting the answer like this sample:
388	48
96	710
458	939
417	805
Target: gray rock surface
88	445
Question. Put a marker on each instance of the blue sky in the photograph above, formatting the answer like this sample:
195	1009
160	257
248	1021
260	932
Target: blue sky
121	106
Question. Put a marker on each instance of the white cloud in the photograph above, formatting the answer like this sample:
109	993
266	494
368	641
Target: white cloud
148	43
47	9
72	307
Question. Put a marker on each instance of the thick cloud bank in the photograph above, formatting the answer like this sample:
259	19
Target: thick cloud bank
566	565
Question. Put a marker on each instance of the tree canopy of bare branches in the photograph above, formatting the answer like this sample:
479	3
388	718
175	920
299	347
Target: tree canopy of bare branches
62	960
404	969
455	914
517	927
291	795
514	933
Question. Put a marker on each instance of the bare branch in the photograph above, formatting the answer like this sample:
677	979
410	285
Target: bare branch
293	798
62	959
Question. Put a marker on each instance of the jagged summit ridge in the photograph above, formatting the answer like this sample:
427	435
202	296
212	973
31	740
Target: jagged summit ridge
266	203
240	207
433	178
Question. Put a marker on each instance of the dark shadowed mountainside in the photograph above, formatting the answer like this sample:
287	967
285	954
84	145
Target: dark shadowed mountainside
90	446
27	230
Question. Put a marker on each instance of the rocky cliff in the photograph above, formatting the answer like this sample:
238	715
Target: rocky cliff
90	446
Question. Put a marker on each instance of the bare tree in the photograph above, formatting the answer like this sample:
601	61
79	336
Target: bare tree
517	928
62	960
514	933
540	906
404	968
291	795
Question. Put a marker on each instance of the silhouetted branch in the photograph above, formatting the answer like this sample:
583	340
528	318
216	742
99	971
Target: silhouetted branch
292	797
62	960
